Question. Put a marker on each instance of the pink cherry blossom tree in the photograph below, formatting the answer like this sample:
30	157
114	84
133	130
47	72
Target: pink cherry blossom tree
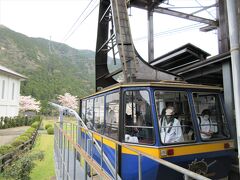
28	103
68	100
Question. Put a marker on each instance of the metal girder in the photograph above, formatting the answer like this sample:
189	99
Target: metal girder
185	16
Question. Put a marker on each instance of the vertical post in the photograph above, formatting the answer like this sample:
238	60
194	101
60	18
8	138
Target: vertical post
85	148
235	60
63	162
61	137
74	163
150	36
101	152
116	161
67	159
139	167
223	47
186	177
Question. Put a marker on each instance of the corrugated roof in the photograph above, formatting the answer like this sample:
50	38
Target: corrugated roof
11	72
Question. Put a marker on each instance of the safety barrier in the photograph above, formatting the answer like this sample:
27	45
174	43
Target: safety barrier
74	159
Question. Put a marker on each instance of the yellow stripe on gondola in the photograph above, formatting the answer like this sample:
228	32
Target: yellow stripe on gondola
179	150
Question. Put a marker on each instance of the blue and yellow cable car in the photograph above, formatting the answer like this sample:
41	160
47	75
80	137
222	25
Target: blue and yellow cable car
196	135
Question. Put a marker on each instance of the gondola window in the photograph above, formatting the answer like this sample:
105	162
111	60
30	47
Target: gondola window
176	127
138	120
83	113
112	115
89	114
211	120
99	114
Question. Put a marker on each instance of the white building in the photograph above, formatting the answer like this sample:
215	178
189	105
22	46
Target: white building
9	92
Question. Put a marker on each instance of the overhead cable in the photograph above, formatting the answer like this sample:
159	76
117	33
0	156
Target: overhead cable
76	25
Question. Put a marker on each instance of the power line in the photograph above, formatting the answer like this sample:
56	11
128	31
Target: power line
205	10
176	30
72	30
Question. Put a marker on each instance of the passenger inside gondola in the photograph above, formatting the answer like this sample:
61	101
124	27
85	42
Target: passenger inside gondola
171	131
207	127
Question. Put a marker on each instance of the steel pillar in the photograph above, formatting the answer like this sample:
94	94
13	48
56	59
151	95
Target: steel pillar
150	36
224	46
235	60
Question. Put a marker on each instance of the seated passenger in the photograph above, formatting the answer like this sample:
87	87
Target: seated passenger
207	127
171	131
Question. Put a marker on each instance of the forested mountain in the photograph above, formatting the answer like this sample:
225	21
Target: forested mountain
52	68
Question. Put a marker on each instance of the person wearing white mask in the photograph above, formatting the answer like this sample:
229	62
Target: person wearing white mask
171	130
207	127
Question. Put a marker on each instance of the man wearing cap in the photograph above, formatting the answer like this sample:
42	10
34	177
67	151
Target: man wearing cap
171	131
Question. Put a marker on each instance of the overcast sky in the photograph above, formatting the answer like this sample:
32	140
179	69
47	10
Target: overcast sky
54	18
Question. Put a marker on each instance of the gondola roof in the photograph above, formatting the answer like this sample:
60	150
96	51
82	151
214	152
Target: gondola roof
166	84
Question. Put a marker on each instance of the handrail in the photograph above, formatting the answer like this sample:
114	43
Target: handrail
83	128
86	156
140	154
79	119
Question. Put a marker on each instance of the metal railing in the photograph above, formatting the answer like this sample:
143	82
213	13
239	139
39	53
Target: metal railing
72	137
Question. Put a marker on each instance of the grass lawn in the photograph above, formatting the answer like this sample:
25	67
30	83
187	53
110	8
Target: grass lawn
44	170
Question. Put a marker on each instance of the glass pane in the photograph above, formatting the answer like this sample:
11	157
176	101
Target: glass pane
210	116
83	113
138	120
99	114
112	115
89	114
174	117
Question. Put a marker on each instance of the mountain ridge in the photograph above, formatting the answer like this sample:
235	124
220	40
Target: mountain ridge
52	68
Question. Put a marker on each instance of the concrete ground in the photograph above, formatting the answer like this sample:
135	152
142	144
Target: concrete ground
8	135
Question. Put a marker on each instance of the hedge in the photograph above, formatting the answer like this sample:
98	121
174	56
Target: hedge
35	124
6	122
17	142
6	149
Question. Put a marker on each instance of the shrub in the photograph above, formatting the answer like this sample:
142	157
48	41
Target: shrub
17	142
23	137
50	130
28	134
47	126
6	149
31	130
35	125
22	168
37	118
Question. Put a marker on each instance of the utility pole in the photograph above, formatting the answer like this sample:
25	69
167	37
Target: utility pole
233	21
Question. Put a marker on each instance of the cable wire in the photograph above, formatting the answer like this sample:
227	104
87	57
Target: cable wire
177	30
72	30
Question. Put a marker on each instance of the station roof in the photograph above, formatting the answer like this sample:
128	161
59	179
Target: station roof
4	70
182	56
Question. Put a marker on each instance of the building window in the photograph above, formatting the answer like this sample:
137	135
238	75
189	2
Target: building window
13	91
3	88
